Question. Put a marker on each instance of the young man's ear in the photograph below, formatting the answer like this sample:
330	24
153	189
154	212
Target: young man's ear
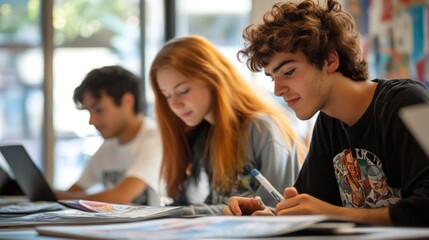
332	61
128	99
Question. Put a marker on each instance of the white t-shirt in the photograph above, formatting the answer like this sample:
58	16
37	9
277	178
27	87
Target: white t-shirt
140	158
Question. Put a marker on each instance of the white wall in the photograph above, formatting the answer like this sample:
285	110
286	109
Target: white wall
260	7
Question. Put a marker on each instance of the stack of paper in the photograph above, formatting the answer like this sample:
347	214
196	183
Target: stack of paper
91	213
220	227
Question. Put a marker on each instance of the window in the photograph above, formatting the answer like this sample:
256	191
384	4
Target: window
21	76
88	35
221	25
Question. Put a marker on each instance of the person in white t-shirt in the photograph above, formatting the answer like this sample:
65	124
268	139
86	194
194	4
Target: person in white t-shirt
127	164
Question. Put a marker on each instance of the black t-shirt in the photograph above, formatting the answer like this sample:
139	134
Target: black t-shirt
374	163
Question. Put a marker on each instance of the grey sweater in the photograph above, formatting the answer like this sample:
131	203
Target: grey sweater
268	152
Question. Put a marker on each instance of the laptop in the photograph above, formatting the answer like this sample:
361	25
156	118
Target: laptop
28	176
416	119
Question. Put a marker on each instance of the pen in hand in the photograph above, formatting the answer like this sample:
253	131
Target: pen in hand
267	185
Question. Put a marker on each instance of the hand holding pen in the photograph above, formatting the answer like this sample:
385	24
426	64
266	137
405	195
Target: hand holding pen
239	206
267	185
291	203
253	206
288	192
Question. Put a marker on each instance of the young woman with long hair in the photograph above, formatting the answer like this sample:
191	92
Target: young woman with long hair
215	129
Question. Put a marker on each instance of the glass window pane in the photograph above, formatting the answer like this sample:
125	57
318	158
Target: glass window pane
21	76
88	35
154	32
223	26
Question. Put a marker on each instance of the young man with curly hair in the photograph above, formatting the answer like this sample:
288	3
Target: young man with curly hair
359	144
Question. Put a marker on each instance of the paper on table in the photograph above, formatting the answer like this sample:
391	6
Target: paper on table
30	207
73	216
184	228
95	206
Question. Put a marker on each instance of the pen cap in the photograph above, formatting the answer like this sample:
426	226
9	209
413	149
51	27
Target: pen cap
254	172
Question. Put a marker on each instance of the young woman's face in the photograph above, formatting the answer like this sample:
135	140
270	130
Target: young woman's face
189	100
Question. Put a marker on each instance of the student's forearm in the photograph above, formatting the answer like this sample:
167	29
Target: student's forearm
378	216
75	188
124	192
110	196
69	195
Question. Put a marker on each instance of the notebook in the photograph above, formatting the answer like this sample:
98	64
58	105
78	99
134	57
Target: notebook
29	178
416	118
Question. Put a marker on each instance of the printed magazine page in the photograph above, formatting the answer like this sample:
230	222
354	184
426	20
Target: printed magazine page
100	207
185	228
74	217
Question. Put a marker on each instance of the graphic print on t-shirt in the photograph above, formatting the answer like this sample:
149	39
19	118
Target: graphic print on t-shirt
111	178
361	180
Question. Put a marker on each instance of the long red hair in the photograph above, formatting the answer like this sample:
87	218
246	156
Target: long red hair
234	104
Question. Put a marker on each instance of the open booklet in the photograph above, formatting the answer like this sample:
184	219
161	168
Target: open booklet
99	207
220	227
90	212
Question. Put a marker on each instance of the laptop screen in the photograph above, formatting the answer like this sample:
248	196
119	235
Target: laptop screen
29	178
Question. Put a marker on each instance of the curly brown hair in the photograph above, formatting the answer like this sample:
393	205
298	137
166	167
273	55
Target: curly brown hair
309	27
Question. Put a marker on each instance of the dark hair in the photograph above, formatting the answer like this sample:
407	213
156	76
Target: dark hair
115	81
311	28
